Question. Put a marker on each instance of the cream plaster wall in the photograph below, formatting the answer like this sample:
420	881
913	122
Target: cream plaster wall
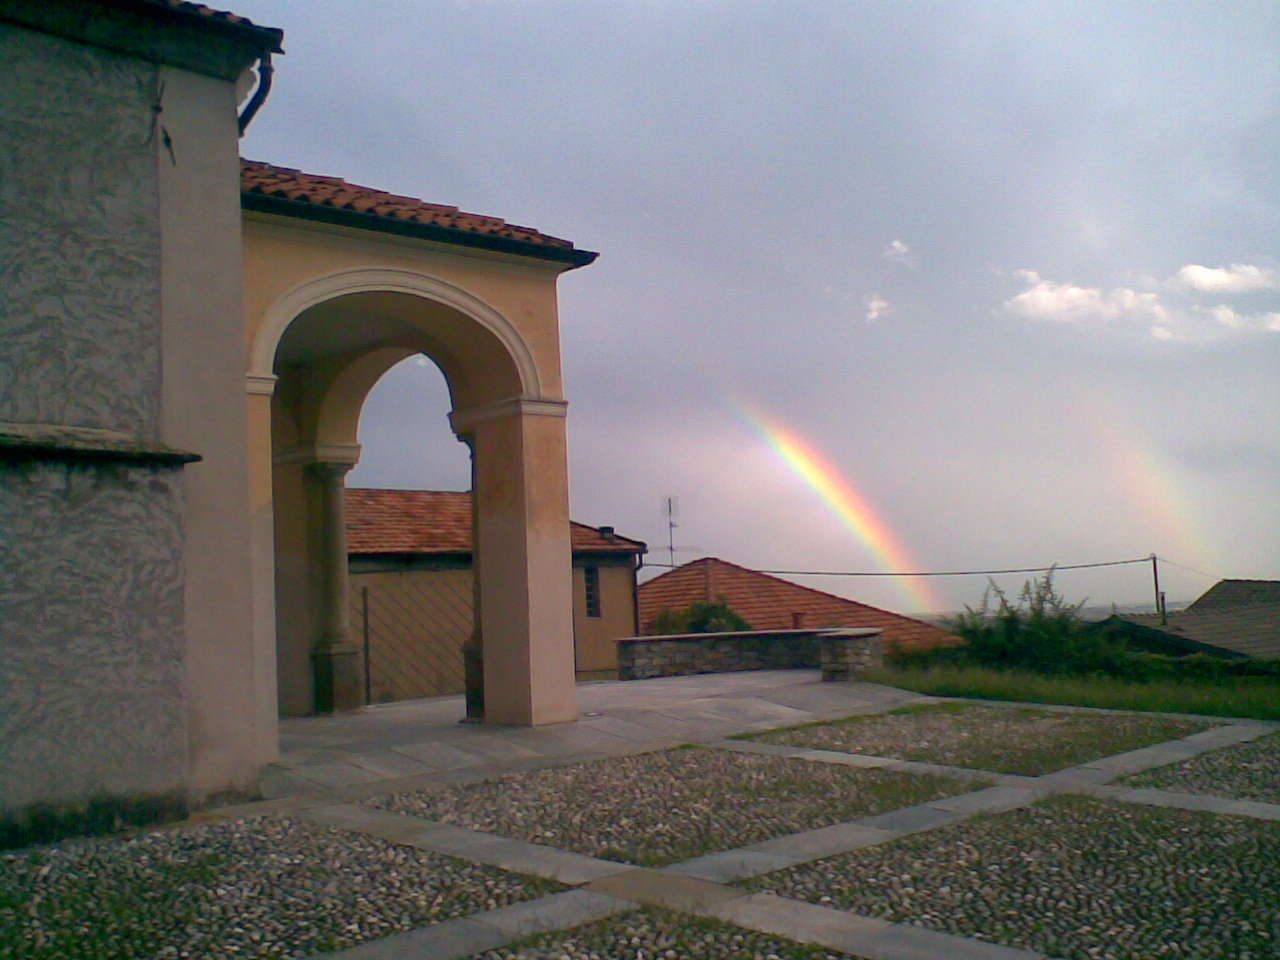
595	637
329	309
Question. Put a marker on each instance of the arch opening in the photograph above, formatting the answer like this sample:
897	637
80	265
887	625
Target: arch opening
346	334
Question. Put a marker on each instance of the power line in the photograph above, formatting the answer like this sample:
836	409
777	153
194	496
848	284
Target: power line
1174	563
941	573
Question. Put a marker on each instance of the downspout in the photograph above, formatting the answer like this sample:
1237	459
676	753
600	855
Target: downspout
265	70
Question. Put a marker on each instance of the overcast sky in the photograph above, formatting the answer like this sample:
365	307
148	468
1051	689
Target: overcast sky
1010	270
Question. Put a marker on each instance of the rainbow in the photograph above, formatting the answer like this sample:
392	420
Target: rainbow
1152	484
851	507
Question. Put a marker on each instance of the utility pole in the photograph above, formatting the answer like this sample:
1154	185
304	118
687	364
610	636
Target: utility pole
1155	579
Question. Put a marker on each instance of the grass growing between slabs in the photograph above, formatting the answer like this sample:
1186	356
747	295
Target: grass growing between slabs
1255	698
655	809
1071	877
1002	740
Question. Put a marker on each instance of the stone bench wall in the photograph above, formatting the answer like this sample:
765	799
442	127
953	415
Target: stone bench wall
843	653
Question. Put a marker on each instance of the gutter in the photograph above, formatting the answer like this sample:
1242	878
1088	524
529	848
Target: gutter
265	72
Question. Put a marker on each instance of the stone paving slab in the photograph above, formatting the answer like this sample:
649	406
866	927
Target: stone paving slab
508	854
389	764
902	942
730	865
990	800
1200	801
823	841
450	940
922	816
805	922
438	756
656	888
556	912
467	936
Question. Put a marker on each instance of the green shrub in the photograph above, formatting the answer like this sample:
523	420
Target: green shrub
701	616
1041	633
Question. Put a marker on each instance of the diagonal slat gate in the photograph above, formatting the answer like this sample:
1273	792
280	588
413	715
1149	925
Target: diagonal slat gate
416	623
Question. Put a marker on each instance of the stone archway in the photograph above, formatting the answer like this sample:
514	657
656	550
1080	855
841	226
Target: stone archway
318	349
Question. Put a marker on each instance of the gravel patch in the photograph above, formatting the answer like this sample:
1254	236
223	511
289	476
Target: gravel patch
1002	740
247	888
1246	771
1074	878
652	934
658	808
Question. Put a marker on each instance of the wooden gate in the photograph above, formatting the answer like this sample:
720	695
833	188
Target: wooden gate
412	625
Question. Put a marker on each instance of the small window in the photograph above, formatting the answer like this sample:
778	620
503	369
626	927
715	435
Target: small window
592	577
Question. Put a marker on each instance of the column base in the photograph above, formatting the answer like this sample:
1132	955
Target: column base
338	684
473	680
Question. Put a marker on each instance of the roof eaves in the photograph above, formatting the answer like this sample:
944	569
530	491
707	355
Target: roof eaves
259	202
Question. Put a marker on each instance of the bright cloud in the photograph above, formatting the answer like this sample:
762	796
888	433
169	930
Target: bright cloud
1237	278
1068	303
898	252
1182	321
877	307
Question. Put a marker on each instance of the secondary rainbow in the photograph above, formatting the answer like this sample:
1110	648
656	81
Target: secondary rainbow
851	507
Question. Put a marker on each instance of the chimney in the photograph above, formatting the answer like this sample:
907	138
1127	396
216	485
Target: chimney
606	532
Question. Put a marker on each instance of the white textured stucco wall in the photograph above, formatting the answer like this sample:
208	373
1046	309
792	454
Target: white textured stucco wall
91	660
79	237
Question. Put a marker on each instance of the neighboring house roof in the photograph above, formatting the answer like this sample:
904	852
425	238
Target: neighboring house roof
1244	631
770	603
1236	593
439	521
283	190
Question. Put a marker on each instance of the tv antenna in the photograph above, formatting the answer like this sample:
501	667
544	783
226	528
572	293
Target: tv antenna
671	510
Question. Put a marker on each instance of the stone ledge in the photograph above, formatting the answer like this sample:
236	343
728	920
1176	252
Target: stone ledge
44	441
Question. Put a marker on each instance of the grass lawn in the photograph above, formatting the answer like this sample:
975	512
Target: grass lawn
1258	699
1073	878
1002	740
655	809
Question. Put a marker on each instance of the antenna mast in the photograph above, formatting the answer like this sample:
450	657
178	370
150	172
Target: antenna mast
671	509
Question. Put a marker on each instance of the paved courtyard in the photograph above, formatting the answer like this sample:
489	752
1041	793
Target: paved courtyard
759	815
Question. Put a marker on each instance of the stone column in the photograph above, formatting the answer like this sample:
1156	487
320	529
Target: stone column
522	546
473	649
335	658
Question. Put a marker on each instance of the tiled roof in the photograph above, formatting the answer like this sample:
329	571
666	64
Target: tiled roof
1236	593
439	521
1251	630
269	37
273	189
770	603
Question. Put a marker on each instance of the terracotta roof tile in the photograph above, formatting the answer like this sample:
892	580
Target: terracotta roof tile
770	603
258	179
438	521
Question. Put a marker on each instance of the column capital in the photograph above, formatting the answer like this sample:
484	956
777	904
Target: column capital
333	454
464	420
